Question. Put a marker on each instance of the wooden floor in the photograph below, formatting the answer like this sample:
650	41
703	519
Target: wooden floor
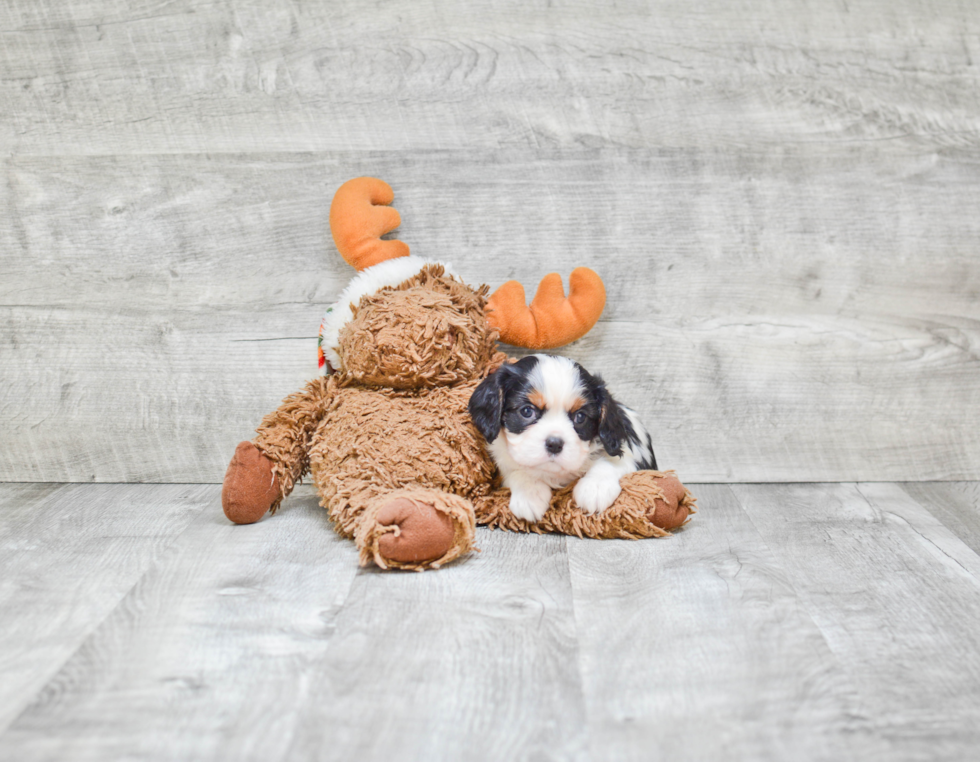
786	622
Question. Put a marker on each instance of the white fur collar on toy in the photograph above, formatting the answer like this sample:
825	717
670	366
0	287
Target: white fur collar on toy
391	272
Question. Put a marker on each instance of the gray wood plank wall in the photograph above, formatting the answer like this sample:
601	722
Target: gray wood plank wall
781	198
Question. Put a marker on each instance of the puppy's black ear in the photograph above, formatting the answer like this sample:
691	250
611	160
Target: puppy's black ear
614	427
487	405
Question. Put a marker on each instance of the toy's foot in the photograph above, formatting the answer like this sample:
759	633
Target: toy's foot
250	487
673	509
418	532
416	529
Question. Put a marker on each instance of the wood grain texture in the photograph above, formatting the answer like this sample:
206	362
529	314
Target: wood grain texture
253	643
896	596
955	504
780	198
68	556
208	656
185	76
797	622
698	647
807	315
478	661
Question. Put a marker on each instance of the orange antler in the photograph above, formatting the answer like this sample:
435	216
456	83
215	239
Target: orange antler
359	216
551	320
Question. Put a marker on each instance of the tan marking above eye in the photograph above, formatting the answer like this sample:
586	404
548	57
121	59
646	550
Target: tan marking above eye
537	399
576	404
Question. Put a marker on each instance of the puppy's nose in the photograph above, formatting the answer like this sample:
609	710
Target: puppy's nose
554	445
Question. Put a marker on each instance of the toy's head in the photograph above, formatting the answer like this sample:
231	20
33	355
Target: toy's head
430	330
405	322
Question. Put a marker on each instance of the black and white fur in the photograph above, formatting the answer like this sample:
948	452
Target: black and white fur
548	422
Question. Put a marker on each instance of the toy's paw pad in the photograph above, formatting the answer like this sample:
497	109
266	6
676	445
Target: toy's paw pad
414	531
597	493
671	511
250	487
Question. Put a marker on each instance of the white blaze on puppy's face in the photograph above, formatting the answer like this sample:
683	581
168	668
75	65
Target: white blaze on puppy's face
550	442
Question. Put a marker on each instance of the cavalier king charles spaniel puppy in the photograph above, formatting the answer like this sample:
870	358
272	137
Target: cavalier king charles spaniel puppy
548	422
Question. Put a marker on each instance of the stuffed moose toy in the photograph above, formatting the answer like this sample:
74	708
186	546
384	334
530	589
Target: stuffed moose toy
385	430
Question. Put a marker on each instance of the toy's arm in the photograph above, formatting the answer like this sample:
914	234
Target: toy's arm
651	504
265	470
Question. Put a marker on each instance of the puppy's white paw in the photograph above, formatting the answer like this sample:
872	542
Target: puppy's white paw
531	501
596	493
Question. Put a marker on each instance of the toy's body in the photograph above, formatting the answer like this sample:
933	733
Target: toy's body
389	442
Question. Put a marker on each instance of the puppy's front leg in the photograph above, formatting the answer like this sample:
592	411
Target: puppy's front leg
599	488
529	497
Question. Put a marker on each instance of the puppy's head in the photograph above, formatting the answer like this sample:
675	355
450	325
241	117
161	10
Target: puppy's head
549	412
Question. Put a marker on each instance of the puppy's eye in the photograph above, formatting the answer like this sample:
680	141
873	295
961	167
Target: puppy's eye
578	417
527	411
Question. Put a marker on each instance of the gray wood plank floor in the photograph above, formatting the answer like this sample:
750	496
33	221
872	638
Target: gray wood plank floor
786	622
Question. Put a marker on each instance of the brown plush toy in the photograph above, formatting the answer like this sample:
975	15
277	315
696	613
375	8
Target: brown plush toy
385	432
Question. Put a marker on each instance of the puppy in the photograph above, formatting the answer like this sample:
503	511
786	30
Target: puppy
548	422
